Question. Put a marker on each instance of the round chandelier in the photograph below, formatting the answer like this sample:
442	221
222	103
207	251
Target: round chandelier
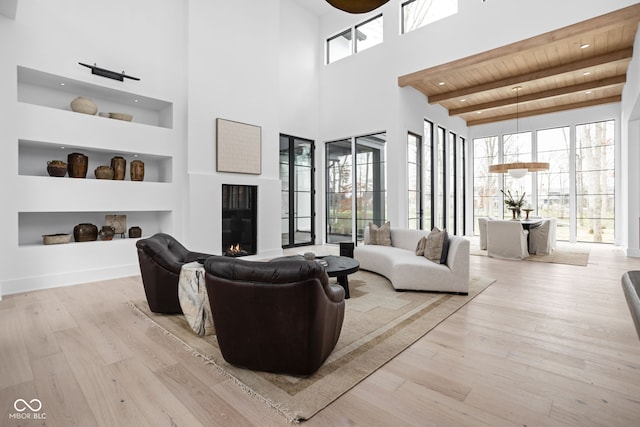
357	6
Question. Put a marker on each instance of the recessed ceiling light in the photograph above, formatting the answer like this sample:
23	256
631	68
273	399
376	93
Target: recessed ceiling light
135	100
478	112
586	73
584	46
588	92
463	100
62	148
441	84
61	84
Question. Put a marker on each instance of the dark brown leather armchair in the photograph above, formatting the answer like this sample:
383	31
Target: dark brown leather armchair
161	257
278	316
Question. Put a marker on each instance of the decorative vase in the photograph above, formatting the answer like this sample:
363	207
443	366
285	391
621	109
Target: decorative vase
136	169
119	165
515	212
104	172
135	232
56	168
85	232
107	232
84	105
77	165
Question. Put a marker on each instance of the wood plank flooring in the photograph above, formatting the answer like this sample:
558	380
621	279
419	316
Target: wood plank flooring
546	345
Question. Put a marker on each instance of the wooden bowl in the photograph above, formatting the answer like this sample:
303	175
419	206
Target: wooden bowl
121	116
56	239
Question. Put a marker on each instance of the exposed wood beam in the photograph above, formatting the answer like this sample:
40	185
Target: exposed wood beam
611	81
620	55
564	107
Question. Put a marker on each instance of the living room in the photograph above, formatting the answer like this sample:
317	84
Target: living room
262	63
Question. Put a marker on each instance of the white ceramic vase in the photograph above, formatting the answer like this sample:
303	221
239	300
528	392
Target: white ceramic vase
84	105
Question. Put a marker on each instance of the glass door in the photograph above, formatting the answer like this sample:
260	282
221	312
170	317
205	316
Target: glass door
297	191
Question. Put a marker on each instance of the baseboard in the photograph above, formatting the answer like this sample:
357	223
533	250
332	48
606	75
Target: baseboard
633	252
29	284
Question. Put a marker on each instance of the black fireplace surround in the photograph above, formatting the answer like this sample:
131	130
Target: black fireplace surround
239	220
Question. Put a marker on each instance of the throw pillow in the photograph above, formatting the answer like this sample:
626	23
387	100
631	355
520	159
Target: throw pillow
434	244
380	235
445	248
420	247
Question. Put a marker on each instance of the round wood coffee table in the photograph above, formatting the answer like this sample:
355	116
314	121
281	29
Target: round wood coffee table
336	266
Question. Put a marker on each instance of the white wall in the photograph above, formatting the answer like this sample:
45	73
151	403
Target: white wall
139	37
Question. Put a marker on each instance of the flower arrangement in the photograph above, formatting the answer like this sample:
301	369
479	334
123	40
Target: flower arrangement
516	203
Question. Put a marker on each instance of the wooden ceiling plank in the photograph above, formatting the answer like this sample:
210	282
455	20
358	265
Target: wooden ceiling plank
620	55
630	15
564	107
611	81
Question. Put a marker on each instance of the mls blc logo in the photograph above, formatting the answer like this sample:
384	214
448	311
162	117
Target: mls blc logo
27	410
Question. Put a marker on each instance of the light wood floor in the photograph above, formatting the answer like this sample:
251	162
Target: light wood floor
546	345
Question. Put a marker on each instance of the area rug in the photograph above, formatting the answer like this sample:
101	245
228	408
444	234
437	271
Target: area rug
577	256
379	323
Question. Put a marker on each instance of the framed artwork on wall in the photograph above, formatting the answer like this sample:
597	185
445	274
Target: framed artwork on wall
239	147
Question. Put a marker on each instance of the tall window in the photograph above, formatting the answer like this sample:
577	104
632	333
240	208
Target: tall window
355	186
339	46
486	186
297	190
452	190
440	204
414	168
595	175
418	13
427	175
553	185
517	148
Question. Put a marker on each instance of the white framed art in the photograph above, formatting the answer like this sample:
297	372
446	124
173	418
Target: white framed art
238	148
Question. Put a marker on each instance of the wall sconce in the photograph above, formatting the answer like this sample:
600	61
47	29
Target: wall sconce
107	73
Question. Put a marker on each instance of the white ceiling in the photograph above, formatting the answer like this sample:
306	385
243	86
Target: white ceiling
317	7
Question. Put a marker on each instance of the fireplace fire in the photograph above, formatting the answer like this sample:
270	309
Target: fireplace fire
235	251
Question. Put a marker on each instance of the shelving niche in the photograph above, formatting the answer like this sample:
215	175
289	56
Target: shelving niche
49	130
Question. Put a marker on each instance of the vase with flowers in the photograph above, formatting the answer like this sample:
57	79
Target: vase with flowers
513	203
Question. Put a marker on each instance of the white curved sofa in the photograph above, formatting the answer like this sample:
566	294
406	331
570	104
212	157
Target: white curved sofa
408	271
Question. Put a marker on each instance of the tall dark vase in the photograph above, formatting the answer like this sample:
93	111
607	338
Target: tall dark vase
119	165
77	164
136	170
85	232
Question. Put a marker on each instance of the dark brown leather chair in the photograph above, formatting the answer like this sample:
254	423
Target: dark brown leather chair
161	257
278	316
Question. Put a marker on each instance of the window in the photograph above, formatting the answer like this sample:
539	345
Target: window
579	190
339	46
356	182
355	39
595	174
486	187
297	190
414	168
553	147
369	33
418	13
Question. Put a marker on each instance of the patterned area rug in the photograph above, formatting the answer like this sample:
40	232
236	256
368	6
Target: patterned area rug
379	323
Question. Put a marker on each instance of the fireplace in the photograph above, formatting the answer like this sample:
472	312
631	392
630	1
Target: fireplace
239	219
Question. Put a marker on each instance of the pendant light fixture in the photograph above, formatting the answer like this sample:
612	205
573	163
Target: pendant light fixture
518	169
357	6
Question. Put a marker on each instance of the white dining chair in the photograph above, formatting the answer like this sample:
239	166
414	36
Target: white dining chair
482	228
542	239
506	240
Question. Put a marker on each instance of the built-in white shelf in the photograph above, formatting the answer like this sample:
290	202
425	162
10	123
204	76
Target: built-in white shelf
54	91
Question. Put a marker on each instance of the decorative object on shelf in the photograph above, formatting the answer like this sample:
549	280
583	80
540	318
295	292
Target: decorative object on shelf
57	168
135	232
119	165
356	6
527	211
84	105
309	256
239	147
118	222
85	232
77	164
121	116
514	204
107	73
106	232
104	172
106	115
136	170
56	239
